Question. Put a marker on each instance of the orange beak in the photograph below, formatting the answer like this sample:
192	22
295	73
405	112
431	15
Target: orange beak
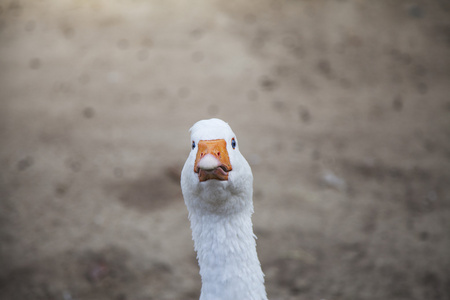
221	167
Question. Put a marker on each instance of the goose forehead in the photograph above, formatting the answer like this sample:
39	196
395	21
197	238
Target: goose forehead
210	130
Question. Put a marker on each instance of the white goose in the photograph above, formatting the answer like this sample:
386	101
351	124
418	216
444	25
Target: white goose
217	188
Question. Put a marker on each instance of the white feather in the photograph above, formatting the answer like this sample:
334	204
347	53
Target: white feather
220	214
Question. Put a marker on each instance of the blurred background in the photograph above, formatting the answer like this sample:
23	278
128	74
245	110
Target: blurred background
342	109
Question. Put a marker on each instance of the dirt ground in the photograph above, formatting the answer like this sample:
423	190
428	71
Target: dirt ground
342	109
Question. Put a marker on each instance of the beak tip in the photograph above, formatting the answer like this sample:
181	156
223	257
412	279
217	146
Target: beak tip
208	162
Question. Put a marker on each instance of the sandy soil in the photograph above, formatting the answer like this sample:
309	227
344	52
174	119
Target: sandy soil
341	107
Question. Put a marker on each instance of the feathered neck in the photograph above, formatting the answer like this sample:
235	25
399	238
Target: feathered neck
226	252
220	213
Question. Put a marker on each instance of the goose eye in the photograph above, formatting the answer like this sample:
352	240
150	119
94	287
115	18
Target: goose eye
233	143
193	145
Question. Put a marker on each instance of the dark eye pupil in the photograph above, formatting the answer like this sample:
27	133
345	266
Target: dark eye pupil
193	144
233	143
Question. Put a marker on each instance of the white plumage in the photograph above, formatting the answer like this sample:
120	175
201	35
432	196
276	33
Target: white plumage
217	187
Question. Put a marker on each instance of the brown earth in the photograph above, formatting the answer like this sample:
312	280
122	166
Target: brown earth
341	107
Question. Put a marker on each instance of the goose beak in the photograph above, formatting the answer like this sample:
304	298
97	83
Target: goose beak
212	160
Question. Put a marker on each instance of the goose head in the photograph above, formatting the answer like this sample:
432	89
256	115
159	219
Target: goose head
215	175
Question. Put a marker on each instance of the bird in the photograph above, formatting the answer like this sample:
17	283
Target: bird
217	187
